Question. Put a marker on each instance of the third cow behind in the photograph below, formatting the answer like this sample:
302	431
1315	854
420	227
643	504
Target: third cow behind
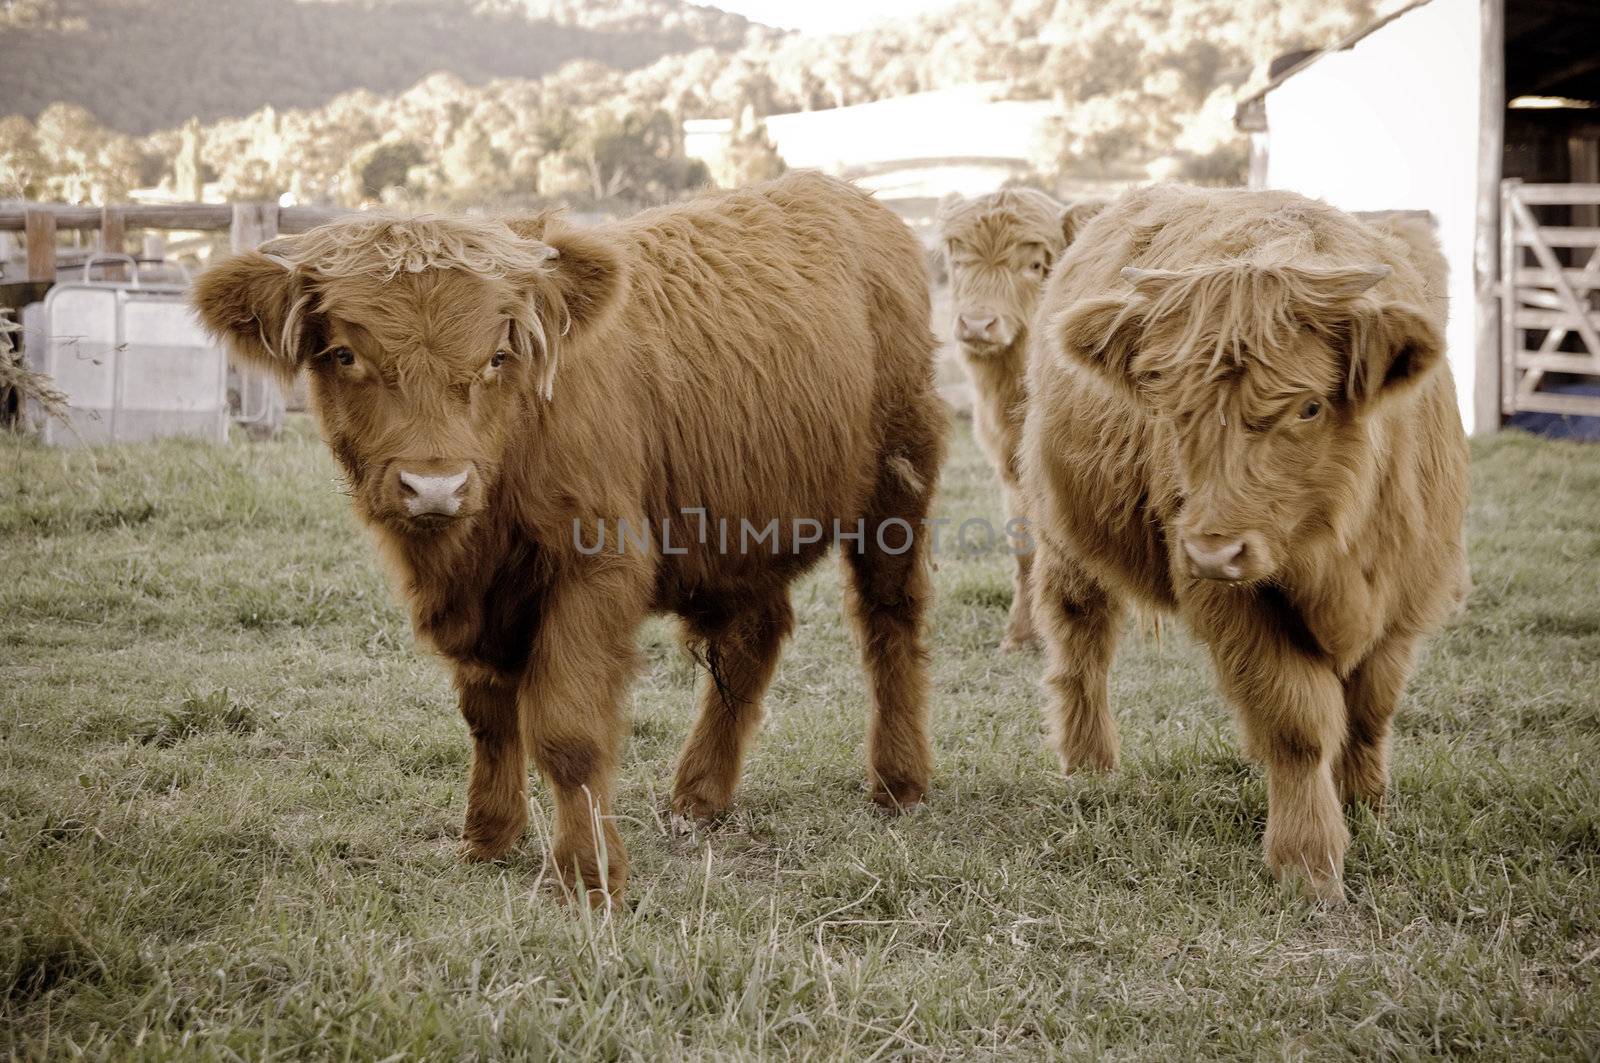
999	249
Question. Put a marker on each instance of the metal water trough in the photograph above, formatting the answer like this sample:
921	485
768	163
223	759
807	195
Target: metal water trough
132	360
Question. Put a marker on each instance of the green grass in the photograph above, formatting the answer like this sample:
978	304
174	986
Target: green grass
230	791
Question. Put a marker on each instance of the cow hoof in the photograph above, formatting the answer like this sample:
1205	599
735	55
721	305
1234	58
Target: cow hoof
474	852
485	839
595	899
580	875
1322	891
1357	789
1088	762
1024	644
692	816
691	828
899	798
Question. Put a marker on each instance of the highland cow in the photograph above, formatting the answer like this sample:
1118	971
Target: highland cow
1241	411
998	251
500	394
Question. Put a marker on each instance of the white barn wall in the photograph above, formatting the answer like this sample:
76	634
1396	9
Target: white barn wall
967	139
1392	124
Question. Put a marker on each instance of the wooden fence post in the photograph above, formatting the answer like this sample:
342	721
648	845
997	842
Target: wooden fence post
112	242
253	225
1486	363
39	226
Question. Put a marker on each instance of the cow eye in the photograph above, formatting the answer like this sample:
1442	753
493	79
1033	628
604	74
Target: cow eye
1309	411
498	360
343	355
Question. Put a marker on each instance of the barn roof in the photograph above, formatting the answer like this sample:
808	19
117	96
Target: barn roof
1549	51
1287	66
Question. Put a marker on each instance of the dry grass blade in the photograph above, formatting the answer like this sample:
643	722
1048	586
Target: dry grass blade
15	375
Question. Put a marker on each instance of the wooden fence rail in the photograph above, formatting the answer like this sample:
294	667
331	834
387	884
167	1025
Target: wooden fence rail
213	217
249	223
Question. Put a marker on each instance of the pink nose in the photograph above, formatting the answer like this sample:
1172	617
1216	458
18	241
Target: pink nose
975	328
1215	556
424	495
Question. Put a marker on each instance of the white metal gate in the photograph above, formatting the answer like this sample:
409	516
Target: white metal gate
133	362
1550	297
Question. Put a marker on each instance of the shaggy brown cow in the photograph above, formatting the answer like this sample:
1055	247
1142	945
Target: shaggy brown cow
753	363
998	250
1242	412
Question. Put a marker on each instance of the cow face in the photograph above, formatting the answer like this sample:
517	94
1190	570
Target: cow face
1260	382
426	342
999	249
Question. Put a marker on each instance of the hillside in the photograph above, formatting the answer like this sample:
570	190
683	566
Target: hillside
144	65
1111	90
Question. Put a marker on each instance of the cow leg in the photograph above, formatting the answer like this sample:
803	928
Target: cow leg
573	722
1291	706
497	788
741	654
887	591
1079	620
1019	622
1370	696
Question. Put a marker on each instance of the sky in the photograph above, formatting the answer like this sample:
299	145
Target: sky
825	16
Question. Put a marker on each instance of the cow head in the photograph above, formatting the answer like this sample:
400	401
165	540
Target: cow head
999	248
1261	381
426	341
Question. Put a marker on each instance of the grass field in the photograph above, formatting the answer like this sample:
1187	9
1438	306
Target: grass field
231	791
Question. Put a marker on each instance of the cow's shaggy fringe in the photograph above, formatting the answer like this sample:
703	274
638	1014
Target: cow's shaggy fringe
1240	308
1240	410
381	246
378	247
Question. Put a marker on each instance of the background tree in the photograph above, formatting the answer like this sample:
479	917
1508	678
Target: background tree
384	165
1142	86
188	167
22	167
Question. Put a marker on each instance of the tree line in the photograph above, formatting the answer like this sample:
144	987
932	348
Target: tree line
1142	87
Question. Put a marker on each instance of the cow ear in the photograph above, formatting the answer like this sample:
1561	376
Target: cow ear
533	226
569	283
257	305
1393	347
1076	215
942	217
585	280
1103	334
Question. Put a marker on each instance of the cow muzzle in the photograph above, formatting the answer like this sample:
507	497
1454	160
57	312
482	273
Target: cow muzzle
429	495
984	329
1219	557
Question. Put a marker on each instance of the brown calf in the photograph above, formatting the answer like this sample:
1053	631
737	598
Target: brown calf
998	250
752	365
1241	412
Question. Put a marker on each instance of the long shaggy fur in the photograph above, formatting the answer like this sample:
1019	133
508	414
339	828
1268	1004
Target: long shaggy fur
748	356
1253	368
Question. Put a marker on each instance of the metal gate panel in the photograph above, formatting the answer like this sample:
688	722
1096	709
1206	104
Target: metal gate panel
1550	299
133	363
